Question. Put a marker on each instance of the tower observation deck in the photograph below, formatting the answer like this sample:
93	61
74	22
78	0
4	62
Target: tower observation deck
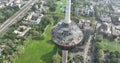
66	33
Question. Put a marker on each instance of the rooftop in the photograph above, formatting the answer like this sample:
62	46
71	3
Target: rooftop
22	30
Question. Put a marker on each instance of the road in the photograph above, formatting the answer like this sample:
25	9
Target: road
14	18
87	48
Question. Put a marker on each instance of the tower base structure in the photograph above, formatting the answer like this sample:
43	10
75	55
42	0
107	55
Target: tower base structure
64	56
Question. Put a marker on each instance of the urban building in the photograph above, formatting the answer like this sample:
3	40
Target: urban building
32	18
116	5
22	30
87	10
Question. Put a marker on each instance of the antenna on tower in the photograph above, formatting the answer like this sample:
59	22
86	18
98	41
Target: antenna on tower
68	11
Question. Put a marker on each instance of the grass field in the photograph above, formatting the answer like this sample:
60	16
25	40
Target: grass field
39	51
111	46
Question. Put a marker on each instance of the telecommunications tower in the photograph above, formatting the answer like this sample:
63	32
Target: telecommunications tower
66	34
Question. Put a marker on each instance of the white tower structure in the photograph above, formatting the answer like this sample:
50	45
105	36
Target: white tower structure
68	11
66	34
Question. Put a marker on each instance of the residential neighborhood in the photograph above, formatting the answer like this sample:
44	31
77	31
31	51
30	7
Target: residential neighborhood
59	31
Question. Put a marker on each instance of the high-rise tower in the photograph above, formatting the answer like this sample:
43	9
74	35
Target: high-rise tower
66	34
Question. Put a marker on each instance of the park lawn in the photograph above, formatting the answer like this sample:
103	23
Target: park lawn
111	45
39	51
60	4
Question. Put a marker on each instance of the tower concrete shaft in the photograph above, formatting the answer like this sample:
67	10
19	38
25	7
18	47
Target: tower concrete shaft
64	56
68	11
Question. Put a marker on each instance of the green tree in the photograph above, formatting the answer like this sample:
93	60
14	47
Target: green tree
100	54
115	60
51	4
1	17
12	59
7	51
99	38
20	49
6	61
56	58
98	46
